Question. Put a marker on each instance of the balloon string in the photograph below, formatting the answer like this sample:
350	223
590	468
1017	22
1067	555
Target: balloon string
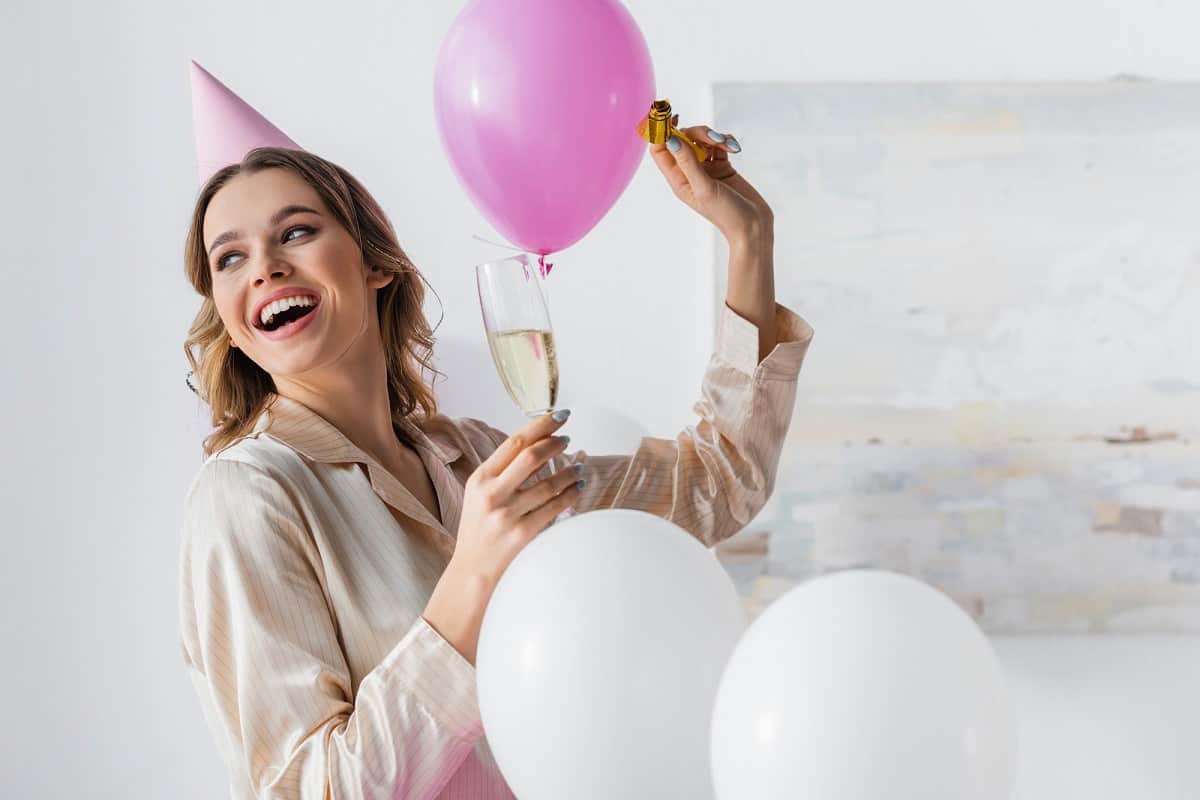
497	244
543	266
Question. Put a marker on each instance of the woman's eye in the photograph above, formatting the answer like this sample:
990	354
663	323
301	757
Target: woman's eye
221	261
295	228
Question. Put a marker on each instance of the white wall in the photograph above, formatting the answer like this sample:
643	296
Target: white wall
102	438
1104	717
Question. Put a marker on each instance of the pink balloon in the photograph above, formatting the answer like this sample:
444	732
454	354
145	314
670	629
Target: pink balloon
537	105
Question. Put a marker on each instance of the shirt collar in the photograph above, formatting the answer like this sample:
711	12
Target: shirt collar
310	434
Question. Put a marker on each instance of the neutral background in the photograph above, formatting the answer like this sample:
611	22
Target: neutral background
995	257
103	436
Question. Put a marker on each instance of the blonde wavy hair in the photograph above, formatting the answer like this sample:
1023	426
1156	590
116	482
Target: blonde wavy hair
235	388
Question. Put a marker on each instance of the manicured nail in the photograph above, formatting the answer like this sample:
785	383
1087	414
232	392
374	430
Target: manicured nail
579	469
733	144
674	145
566	440
716	137
561	415
581	483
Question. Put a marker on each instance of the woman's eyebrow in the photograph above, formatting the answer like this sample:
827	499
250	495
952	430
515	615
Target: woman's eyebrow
279	216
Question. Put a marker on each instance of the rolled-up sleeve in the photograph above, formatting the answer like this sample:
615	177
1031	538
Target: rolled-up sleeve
261	648
716	474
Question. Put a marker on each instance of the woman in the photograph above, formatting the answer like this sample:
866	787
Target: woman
342	539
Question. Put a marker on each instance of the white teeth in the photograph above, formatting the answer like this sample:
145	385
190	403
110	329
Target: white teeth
271	309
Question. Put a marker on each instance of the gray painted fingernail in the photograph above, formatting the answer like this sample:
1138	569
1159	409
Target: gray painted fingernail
674	145
566	440
733	144
561	415
716	137
579	469
581	483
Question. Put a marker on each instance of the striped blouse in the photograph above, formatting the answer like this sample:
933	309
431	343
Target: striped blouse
301	595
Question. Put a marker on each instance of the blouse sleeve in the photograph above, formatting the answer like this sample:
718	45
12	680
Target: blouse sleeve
717	474
261	647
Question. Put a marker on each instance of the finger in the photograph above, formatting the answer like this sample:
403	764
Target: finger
715	152
689	165
526	465
716	142
540	518
529	434
665	161
546	490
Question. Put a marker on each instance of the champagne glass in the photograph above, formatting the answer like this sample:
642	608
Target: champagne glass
521	340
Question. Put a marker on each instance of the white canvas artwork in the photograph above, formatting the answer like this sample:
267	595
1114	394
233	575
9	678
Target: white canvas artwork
1002	394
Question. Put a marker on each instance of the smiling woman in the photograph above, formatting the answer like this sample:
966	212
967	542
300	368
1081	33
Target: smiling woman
342	539
283	224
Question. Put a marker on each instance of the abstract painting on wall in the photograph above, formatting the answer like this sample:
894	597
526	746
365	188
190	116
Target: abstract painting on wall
1003	391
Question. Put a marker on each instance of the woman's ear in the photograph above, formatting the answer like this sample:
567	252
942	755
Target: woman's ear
378	278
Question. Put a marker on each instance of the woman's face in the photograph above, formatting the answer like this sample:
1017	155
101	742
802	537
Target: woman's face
275	249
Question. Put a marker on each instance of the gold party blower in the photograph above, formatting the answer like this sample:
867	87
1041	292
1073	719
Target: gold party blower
656	128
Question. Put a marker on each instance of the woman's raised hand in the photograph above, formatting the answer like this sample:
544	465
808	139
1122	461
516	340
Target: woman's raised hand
713	188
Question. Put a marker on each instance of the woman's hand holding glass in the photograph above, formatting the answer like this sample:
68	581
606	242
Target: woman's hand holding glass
498	519
516	319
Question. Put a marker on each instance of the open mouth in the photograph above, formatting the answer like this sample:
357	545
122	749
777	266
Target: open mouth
286	317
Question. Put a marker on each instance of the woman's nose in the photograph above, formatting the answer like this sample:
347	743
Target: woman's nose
272	267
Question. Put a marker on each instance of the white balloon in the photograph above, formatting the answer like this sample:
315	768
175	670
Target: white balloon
599	657
863	685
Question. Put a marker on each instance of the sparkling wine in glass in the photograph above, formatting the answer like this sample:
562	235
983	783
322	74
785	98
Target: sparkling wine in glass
520	337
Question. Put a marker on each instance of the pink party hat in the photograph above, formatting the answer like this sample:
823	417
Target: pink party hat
226	126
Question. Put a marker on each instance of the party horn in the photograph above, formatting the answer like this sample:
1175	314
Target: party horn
656	128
